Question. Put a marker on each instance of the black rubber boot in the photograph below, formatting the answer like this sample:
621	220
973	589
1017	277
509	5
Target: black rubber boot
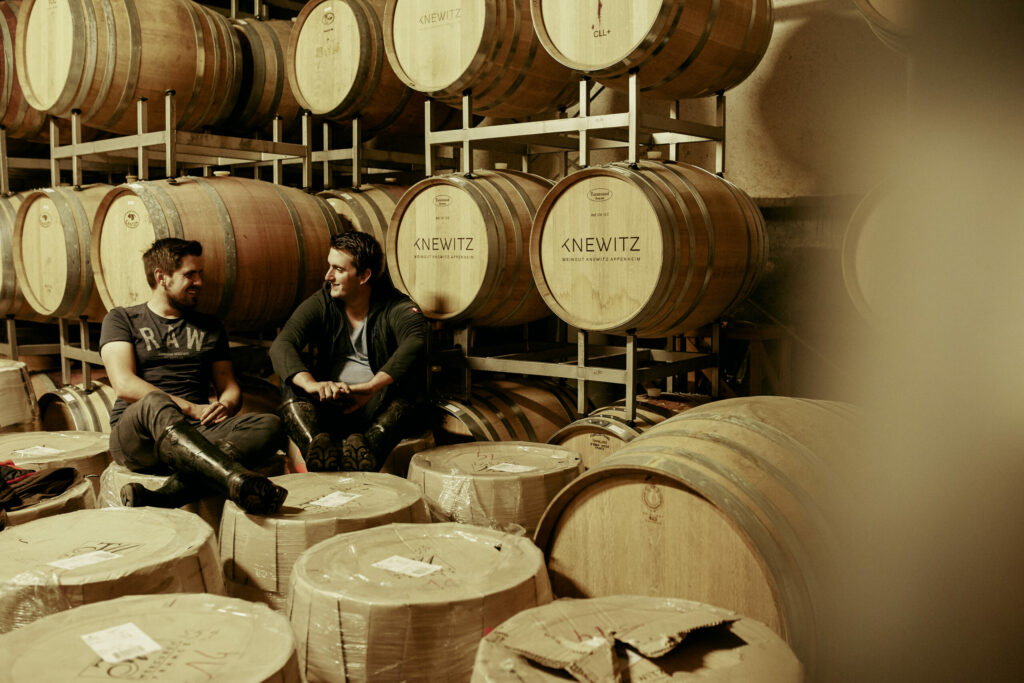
388	428
318	448
184	449
175	492
356	457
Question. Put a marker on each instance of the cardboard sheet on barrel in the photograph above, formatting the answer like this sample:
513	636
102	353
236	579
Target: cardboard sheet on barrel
729	503
503	485
258	552
79	496
634	638
408	601
87	452
180	638
87	556
115	476
19	410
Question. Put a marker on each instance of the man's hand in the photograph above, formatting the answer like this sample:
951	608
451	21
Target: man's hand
358	396
213	413
329	391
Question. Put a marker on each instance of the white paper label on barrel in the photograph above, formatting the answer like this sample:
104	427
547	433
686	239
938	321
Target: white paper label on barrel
35	451
120	643
84	560
597	34
512	467
327	56
602	251
334	500
404	565
436	40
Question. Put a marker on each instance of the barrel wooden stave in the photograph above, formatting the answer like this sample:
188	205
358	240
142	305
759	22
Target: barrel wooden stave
658	249
444	54
248	229
678	49
459	247
728	503
52	241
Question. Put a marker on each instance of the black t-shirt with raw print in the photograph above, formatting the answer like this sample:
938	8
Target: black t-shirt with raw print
175	355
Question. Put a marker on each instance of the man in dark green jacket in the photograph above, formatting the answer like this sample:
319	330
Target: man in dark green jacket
369	371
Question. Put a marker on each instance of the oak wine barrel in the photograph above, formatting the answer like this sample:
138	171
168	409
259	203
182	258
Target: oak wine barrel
458	247
503	485
52	239
87	452
679	48
664	637
258	552
890	20
199	636
338	69
12	299
487	47
728	503
878	236
19	119
507	410
434	589
659	248
368	208
19	410
264	245
72	407
607	429
100	57
264	92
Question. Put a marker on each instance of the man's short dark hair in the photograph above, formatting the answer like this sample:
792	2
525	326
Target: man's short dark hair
167	254
365	251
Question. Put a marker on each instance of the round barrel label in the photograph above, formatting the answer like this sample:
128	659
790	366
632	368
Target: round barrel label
597	33
126	233
601	251
436	40
442	250
327	56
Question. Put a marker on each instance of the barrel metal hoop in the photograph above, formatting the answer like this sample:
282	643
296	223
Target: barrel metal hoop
480	429
516	413
8	286
108	24
72	238
7	86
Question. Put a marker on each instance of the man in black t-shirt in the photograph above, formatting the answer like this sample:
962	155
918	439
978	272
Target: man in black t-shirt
163	358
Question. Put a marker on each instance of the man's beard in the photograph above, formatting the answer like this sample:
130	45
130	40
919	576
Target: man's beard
185	302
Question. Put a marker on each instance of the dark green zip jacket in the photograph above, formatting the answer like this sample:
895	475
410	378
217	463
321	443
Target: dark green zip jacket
396	341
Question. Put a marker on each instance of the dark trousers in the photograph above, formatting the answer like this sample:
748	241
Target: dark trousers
257	436
332	419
